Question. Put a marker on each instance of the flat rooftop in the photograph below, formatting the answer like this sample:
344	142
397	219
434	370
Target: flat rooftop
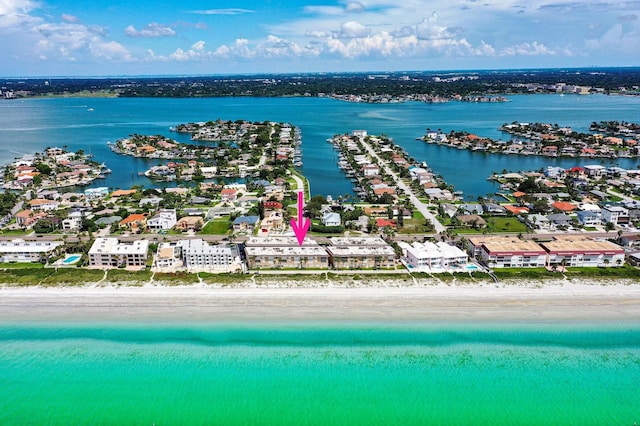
569	246
511	246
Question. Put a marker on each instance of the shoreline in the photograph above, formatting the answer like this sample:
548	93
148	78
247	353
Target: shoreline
528	302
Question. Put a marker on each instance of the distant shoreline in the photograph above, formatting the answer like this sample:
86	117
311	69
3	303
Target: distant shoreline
385	301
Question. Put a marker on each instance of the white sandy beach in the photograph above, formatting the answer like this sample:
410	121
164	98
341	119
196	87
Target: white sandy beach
615	301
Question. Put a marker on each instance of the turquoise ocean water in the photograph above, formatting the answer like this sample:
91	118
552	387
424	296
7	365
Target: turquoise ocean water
34	124
319	374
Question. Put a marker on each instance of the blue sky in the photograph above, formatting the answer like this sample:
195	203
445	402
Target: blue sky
125	37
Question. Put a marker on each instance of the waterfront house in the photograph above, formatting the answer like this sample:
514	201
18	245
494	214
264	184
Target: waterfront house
42	204
96	193
107	253
123	193
331	219
228	195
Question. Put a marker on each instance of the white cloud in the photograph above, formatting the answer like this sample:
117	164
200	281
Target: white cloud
69	18
615	40
15	13
429	29
229	11
110	50
150	30
349	7
353	29
527	49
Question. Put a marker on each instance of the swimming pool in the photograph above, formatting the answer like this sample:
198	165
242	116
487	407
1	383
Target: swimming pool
471	267
71	259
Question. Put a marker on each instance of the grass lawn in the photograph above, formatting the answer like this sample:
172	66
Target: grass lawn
22	265
505	224
15	232
216	227
413	226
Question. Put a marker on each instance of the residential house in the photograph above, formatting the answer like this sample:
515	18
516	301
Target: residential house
106	253
189	223
245	223
123	193
472	220
42	204
559	219
589	218
135	223
228	195
595	171
331	219
163	220
615	214
96	193
26	218
73	222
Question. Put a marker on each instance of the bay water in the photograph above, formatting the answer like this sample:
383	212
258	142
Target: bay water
31	125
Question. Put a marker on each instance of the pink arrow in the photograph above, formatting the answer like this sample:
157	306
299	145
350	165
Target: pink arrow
302	226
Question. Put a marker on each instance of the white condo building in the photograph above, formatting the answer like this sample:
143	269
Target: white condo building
26	251
197	255
433	257
109	253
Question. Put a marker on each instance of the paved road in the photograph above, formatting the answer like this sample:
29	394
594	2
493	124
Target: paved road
419	205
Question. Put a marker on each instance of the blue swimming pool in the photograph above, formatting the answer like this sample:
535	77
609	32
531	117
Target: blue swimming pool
72	259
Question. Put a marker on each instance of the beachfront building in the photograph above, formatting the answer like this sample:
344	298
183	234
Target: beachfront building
433	257
26	251
581	251
197	255
360	253
284	253
200	256
507	252
106	253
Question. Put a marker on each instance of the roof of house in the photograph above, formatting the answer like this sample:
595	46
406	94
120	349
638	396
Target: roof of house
123	192
564	206
132	218
246	219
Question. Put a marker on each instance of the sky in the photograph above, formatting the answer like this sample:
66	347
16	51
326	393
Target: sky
162	37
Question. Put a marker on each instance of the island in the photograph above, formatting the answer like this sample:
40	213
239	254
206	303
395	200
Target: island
549	140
